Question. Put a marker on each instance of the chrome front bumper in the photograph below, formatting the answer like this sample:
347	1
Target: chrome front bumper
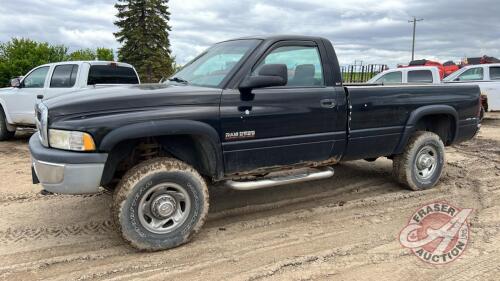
66	172
68	178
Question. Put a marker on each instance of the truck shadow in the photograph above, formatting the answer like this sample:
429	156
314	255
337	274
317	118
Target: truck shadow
22	137
352	181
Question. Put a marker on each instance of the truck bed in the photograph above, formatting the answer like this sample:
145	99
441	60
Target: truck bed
379	115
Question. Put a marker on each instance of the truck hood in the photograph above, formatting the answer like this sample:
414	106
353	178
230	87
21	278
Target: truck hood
5	89
141	96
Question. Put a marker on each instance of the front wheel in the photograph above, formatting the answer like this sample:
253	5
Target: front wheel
420	166
160	204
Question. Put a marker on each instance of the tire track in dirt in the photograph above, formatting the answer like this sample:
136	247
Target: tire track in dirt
243	227
23	235
264	224
6	199
16	236
327	206
362	202
84	254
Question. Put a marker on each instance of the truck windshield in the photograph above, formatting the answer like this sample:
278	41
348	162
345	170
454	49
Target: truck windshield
211	67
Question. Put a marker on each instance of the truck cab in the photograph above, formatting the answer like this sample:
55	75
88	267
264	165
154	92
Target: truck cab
486	76
404	75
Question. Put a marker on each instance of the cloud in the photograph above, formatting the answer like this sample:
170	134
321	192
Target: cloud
374	31
88	38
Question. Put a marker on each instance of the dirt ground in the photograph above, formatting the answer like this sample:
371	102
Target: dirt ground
343	228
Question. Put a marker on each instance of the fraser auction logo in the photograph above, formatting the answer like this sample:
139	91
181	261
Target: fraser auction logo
437	233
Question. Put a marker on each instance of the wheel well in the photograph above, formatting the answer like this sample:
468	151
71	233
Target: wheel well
10	127
195	150
443	125
484	102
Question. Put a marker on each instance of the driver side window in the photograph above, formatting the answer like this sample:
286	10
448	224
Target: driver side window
36	79
471	74
303	63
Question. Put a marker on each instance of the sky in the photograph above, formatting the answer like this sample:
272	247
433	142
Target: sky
371	31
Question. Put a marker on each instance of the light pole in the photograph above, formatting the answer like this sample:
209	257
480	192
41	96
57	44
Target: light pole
414	21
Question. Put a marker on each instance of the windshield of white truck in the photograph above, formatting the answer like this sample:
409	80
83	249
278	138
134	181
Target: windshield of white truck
211	67
112	74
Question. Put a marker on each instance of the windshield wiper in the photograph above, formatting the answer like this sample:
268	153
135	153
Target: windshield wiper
178	80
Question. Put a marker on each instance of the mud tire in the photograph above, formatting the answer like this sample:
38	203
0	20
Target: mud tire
136	183
405	169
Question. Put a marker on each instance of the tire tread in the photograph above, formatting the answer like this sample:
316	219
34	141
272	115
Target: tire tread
402	165
138	172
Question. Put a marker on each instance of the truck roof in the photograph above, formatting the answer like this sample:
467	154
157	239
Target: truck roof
278	37
481	65
91	62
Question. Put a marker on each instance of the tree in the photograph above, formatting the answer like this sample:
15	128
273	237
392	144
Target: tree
143	31
19	56
83	54
89	54
105	54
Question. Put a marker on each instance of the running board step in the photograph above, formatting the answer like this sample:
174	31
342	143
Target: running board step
301	176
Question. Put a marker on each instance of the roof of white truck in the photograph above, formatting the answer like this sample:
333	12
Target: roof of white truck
409	68
481	65
91	62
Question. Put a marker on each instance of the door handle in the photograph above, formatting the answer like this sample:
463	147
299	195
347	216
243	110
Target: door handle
328	103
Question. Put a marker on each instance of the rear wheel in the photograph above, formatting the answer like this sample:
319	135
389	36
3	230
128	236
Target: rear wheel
422	162
4	133
160	204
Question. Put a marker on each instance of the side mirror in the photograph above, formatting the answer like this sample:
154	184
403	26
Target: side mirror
457	79
15	82
268	76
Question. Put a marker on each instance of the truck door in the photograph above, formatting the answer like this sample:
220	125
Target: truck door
21	103
282	125
492	88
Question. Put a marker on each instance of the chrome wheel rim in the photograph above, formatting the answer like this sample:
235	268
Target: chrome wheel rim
164	208
425	163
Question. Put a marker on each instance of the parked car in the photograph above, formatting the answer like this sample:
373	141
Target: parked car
253	113
416	74
486	76
51	80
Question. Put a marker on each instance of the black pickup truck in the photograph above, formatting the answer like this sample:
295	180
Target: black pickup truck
252	113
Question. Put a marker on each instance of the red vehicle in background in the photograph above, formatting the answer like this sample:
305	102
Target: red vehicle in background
444	69
450	67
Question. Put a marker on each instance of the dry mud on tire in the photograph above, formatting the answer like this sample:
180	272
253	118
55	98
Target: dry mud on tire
343	228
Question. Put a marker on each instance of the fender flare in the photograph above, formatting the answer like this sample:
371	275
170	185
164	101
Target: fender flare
165	128
418	114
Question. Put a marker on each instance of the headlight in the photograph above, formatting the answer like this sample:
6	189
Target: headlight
41	114
71	140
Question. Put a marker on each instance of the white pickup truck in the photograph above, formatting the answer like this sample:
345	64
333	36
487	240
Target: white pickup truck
49	80
403	75
486	76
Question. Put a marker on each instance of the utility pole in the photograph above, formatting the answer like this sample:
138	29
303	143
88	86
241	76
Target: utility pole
414	21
